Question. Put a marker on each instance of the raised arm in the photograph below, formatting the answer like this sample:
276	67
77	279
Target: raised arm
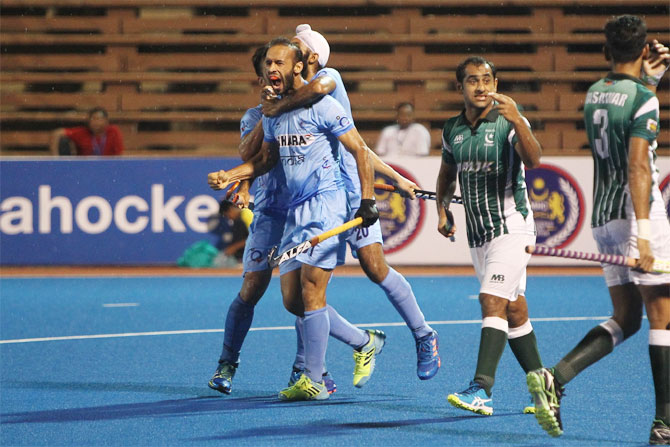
527	147
316	89
261	163
251	143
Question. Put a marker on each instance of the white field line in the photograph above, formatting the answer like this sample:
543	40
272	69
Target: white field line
268	328
121	305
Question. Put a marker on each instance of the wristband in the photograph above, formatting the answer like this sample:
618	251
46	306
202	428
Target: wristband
643	229
652	80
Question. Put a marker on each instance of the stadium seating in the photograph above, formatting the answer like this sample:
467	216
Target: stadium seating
176	76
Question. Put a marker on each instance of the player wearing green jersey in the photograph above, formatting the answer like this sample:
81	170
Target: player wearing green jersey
621	114
486	148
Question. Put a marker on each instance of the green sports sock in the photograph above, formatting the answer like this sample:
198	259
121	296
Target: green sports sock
526	352
660	371
595	345
491	347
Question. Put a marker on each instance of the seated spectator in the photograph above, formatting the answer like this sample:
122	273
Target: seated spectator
405	138
96	138
233	228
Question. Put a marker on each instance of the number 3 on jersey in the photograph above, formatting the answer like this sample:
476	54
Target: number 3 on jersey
602	143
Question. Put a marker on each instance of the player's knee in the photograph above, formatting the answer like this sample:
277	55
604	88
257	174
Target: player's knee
630	324
374	266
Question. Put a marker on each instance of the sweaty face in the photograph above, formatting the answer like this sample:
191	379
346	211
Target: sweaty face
281	68
477	83
97	123
306	53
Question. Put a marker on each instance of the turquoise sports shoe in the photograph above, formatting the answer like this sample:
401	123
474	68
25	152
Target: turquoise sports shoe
547	397
305	389
331	386
222	381
427	356
474	399
365	359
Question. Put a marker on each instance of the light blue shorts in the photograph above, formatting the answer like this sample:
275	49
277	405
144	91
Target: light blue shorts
265	232
359	237
317	215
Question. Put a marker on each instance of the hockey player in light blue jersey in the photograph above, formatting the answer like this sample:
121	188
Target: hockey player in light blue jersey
306	144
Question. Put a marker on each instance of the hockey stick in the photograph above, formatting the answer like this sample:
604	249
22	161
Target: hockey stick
660	266
420	193
305	246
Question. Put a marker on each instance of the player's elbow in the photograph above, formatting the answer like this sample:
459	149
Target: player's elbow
324	86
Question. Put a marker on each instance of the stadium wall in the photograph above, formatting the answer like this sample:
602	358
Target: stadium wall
147	211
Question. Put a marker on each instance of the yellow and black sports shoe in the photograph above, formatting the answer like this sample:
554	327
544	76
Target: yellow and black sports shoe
365	358
305	389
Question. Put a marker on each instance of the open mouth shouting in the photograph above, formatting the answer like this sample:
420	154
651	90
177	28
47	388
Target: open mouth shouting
276	82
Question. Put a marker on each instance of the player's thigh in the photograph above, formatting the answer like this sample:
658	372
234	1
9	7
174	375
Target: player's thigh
517	312
265	233
501	264
291	292
627	307
313	283
657	303
254	285
373	262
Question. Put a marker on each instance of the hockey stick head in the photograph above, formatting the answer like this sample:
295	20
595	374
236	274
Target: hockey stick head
272	260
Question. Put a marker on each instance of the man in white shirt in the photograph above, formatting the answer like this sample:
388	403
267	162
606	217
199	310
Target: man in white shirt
405	138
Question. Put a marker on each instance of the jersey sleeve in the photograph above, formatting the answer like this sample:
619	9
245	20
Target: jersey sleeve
645	119
268	129
447	153
249	120
331	117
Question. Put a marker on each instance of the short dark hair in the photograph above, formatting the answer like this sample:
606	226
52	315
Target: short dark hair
258	60
297	53
404	104
625	37
476	61
95	110
224	206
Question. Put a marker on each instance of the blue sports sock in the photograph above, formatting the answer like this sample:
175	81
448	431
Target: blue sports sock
399	293
299	362
238	322
346	332
316	326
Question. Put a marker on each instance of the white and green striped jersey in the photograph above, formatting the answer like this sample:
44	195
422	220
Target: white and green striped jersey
617	108
490	174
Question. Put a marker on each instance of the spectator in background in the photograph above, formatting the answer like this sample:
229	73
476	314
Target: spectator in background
234	229
97	138
405	138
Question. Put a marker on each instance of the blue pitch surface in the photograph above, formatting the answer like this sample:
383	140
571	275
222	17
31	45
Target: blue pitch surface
138	388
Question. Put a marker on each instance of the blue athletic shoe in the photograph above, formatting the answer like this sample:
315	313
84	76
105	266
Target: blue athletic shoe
473	399
427	356
222	381
329	382
296	373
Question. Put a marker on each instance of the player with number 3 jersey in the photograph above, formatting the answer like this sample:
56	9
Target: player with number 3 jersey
621	115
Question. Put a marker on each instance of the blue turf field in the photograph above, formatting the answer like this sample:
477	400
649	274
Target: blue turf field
146	385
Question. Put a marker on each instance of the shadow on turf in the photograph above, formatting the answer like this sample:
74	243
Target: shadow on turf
167	408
